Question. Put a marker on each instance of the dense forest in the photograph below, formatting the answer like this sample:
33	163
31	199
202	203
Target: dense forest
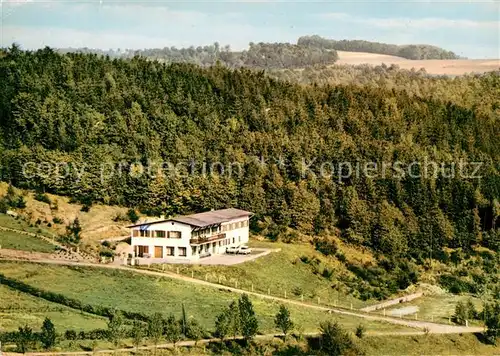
471	90
88	110
258	55
420	51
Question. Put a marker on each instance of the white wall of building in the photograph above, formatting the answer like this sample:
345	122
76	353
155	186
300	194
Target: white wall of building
165	242
238	236
237	233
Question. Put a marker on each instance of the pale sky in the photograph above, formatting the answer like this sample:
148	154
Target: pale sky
468	28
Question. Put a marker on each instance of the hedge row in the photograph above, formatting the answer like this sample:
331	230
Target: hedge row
96	334
69	302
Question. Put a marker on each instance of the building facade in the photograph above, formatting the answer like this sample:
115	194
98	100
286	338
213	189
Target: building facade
191	237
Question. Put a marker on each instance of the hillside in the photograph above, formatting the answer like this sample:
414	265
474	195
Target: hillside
258	55
431	66
410	51
308	51
86	110
57	212
83	138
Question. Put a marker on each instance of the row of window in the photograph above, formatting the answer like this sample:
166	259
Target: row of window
236	225
157	233
143	251
158	251
205	232
177	234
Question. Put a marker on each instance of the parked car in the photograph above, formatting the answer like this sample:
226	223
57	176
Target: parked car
245	250
233	250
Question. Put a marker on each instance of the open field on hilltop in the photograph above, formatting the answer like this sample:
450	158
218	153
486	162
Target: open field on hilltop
432	66
19	309
285	272
146	294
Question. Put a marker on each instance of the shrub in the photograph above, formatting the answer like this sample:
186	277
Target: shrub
57	220
334	340
341	257
460	314
121	217
106	253
19	203
44	198
455	285
283	320
48	334
304	259
327	273
249	323
73	232
290	236
116	329
4	206
25	339
222	325
173	330
492	322
327	247
360	331
70	335
132	215
297	291
194	330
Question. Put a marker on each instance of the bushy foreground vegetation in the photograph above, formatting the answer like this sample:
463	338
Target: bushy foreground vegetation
237	322
239	319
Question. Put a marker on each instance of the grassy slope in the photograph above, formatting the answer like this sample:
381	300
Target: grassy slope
440	308
98	223
20	224
18	309
282	272
141	293
453	344
13	240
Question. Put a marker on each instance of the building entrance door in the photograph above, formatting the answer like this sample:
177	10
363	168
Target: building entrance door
142	250
158	252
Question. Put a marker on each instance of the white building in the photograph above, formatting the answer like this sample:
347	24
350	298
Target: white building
191	236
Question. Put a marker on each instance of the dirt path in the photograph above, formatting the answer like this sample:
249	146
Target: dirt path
430	326
391	302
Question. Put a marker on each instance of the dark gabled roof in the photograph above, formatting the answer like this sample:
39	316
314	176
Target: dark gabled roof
208	218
